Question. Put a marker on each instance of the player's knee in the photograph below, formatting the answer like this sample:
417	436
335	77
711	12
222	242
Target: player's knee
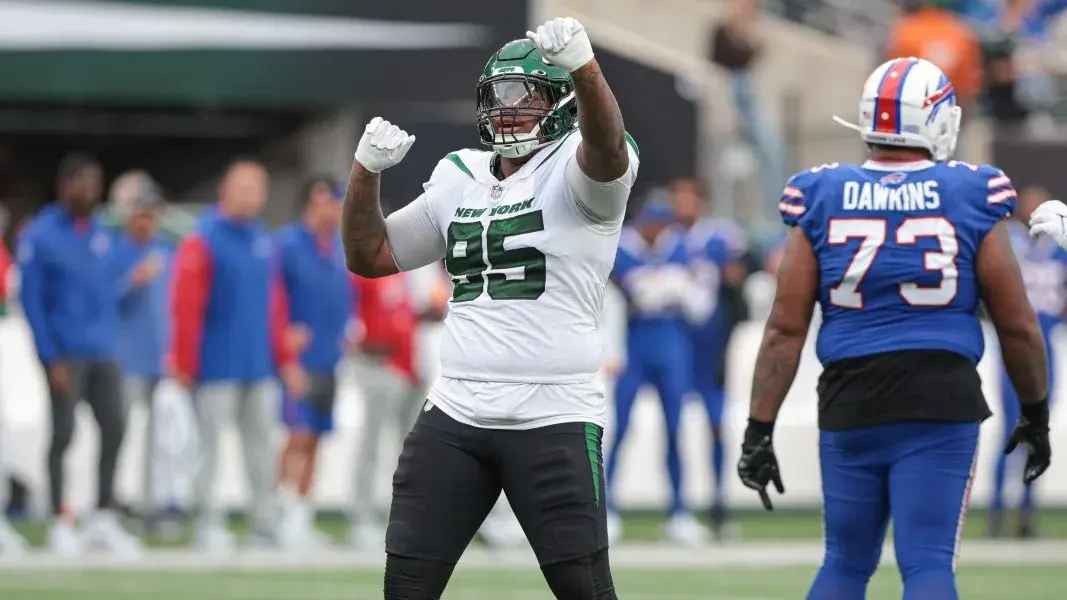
855	565
303	440
913	561
415	578
585	578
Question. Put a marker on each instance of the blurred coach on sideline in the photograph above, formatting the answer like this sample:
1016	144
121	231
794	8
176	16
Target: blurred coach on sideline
230	340
143	261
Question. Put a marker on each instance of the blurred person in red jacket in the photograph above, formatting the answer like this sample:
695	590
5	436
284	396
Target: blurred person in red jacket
5	266
386	370
10	541
321	302
927	29
231	338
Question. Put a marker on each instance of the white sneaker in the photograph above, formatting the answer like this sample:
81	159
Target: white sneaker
63	539
614	528
297	531
213	538
684	529
11	543
366	536
103	531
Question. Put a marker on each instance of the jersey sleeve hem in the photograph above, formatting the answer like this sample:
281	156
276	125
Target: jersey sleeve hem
602	204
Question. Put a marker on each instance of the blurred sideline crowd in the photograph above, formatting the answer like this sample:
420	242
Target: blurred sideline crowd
232	309
115	308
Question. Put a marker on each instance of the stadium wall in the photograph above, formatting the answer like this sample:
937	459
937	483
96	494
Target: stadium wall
643	483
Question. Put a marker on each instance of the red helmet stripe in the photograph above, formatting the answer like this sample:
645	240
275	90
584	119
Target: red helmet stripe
887	104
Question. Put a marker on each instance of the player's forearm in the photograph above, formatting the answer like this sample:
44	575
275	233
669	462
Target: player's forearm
776	367
1026	365
603	154
362	223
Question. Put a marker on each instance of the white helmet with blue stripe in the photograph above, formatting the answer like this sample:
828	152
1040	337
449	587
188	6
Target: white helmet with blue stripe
909	102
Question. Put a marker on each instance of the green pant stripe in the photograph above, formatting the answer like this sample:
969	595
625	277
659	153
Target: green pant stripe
592	446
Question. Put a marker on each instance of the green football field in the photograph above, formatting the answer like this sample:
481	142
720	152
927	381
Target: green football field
775	560
634	581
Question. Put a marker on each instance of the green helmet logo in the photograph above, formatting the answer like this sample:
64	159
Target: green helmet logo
524	101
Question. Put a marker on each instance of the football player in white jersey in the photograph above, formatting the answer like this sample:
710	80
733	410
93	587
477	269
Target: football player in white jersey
528	231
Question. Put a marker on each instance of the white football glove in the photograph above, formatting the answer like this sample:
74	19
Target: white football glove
382	145
563	42
1050	218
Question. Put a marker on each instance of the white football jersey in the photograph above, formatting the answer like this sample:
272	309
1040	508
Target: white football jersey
529	265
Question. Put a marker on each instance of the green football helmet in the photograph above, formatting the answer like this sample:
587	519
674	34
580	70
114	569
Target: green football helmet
517	83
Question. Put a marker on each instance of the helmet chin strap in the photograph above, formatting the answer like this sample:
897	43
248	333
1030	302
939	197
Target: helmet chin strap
516	150
519	148
845	123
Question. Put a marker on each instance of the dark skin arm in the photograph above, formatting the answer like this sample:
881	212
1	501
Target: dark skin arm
367	251
602	154
787	328
1021	343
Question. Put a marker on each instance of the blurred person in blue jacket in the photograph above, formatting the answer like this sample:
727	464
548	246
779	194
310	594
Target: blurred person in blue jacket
716	248
230	343
320	293
143	261
653	271
1044	268
69	294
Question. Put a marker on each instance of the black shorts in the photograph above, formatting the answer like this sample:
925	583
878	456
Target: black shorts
909	385
450	475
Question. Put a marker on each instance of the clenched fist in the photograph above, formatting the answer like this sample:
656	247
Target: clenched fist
382	145
563	42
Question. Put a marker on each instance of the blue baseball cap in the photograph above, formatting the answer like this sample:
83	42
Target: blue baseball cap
657	208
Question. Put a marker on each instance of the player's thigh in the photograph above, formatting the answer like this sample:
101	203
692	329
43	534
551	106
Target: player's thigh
442	489
554	479
929	488
855	497
673	382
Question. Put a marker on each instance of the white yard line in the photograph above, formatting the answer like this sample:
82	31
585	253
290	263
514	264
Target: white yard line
631	557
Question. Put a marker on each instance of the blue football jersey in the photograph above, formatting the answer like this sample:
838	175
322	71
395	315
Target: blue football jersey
638	263
896	245
711	243
1044	267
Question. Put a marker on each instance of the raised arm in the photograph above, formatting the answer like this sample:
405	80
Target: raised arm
365	232
601	174
602	153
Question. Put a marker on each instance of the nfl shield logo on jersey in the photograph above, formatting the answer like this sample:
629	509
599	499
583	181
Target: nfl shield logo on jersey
496	192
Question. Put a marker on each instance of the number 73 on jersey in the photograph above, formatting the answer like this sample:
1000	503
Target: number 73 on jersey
874	236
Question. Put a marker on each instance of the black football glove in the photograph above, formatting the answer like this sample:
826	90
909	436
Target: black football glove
1032	431
758	465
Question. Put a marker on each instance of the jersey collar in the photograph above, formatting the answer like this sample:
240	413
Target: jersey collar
896	165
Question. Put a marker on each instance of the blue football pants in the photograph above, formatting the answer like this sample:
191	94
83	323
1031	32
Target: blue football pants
918	474
667	365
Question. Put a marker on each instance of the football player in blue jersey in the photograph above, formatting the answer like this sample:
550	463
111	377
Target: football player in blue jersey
652	270
898	252
716	252
1044	269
